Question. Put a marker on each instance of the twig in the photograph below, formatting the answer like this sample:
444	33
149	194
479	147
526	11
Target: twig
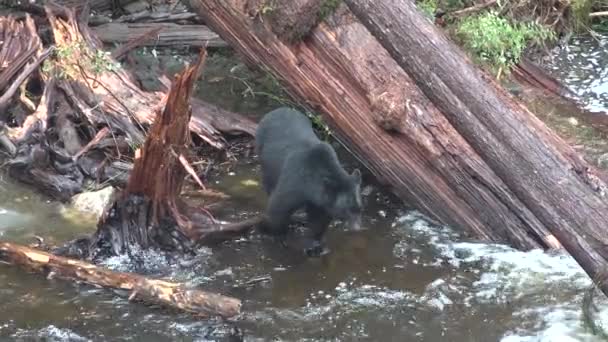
472	9
98	137
598	14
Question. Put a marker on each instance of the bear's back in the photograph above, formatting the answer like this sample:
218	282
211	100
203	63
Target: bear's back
282	132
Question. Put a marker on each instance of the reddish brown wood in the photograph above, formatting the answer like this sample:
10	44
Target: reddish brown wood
543	172
19	42
384	119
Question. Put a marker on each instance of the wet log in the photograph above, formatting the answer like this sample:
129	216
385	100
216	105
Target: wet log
529	73
152	291
384	119
169	34
541	170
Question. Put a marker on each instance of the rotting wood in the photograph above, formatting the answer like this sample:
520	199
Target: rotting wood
555	183
378	112
169	35
156	180
292	20
151	291
19	43
25	73
149	212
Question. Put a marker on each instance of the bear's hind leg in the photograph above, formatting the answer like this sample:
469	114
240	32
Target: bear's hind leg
280	208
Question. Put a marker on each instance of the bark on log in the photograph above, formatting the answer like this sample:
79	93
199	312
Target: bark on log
153	291
559	188
169	35
378	112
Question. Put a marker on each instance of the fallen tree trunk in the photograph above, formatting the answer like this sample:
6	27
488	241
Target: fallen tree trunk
541	169
169	34
153	291
379	113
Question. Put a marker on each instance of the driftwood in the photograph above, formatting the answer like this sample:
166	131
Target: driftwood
153	291
169	34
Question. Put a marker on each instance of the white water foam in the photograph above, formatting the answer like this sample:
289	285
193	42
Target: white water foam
546	290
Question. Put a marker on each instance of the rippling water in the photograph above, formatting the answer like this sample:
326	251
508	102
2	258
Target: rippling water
402	278
581	65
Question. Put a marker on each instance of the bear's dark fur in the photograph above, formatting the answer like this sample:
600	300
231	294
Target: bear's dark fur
302	172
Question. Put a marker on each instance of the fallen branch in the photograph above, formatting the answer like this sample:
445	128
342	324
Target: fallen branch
169	294
170	34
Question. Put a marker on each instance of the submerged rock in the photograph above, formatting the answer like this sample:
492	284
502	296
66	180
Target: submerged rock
93	202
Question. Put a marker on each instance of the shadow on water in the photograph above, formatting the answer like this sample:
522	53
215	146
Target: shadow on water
401	278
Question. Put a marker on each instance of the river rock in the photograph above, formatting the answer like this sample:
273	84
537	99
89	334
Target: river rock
93	201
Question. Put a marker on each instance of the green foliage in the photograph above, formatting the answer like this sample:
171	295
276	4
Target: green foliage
580	11
428	7
73	59
495	41
328	7
267	7
601	25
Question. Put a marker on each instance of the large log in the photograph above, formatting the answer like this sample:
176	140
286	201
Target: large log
545	173
379	113
173	295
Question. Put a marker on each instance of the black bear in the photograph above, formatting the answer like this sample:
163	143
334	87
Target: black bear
299	171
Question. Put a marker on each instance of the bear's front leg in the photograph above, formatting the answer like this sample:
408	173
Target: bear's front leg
318	223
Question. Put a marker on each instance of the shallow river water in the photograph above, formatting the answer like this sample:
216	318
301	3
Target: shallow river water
402	278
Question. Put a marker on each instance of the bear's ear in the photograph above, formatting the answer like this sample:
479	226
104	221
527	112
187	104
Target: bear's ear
357	176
